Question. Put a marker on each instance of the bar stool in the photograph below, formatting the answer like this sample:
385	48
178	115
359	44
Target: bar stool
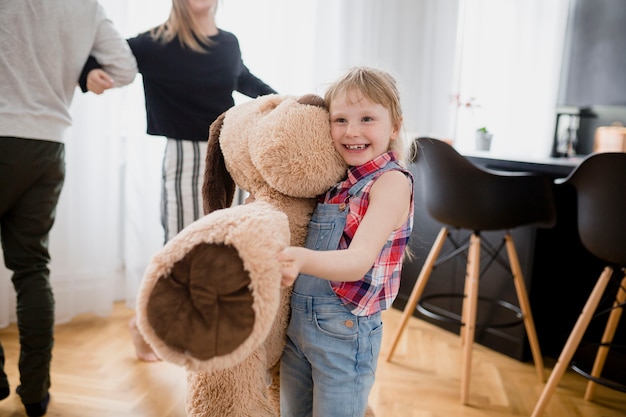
462	195
600	183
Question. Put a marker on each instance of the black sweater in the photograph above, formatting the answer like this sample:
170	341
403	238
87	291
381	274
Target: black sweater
185	91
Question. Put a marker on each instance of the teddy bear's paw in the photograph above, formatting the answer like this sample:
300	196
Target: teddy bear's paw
203	307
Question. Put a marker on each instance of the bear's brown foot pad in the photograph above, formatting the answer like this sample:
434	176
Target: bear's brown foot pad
204	306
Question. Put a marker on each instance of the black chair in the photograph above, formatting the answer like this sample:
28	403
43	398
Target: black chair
462	195
600	184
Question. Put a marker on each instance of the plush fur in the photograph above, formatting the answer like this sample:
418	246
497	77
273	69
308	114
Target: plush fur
211	299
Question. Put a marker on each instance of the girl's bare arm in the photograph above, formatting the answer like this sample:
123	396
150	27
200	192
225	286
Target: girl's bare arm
388	208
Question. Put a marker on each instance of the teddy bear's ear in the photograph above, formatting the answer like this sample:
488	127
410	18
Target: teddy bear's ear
218	189
312	100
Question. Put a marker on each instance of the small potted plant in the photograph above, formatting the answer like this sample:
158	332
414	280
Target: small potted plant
483	139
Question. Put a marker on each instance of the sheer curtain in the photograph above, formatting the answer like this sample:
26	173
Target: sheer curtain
108	225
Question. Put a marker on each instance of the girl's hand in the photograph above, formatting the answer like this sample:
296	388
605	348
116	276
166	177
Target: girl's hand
249	199
289	265
98	81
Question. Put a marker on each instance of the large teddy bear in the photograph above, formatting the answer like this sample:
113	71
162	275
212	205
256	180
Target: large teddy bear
211	299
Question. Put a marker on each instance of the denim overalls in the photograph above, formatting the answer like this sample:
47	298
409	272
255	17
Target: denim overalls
329	362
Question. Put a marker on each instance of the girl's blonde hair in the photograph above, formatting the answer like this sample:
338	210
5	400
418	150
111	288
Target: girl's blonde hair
182	24
379	87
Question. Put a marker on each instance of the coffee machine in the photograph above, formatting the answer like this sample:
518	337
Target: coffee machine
573	132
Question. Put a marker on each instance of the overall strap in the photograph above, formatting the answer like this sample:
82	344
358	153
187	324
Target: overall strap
358	186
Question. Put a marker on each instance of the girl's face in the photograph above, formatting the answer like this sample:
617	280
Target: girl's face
361	129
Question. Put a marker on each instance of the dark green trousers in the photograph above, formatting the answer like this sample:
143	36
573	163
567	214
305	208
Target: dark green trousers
31	178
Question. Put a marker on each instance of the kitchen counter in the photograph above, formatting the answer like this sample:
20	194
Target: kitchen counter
553	167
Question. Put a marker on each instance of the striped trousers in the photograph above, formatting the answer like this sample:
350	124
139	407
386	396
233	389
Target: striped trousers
183	175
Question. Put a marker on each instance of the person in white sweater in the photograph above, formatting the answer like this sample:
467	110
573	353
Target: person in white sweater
43	47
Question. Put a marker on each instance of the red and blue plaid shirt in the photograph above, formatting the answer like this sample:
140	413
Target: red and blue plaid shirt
379	287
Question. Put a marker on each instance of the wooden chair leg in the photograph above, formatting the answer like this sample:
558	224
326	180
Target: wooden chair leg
607	338
470	302
522	297
467	289
418	289
573	341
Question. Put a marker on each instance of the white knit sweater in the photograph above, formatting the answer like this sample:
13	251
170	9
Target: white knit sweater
43	47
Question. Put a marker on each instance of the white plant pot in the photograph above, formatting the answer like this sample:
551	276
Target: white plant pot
483	141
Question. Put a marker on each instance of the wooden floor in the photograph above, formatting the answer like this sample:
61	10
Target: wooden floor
95	374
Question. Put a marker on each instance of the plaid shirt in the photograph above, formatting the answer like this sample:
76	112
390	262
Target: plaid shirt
379	287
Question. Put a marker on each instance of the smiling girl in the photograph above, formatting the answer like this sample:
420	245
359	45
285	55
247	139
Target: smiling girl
350	269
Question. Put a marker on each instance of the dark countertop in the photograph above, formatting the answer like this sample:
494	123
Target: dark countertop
553	167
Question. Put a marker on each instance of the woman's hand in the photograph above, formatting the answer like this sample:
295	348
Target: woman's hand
98	81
